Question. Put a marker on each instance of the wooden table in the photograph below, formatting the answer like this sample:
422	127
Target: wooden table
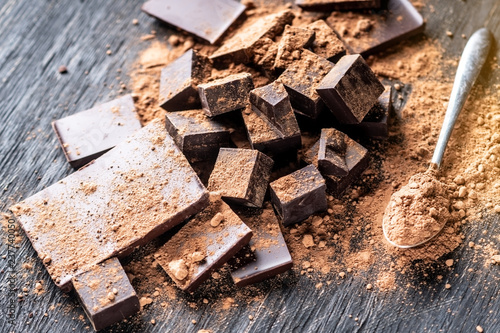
36	37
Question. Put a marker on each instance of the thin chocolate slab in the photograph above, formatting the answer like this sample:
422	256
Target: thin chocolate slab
241	176
298	195
301	79
204	244
179	80
198	136
326	43
106	294
206	19
87	135
330	5
368	33
125	198
239	48
266	255
350	89
293	40
226	94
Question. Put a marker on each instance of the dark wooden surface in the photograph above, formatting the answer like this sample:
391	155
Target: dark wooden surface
36	37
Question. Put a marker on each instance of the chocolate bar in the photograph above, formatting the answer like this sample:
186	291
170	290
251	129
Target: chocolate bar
179	80
331	5
241	176
198	136
326	44
240	47
204	244
292	41
130	195
350	89
266	255
298	195
301	79
106	294
87	135
206	19
226	94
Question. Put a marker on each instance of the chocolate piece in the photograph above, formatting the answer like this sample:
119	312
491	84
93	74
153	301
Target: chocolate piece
368	33
301	79
87	135
294	39
178	82
239	48
206	19
299	195
264	55
203	245
241	176
226	94
326	44
331	5
350	89
332	153
106	294
198	136
266	255
132	194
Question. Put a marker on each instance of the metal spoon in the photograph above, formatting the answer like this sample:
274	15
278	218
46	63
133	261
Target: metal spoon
473	58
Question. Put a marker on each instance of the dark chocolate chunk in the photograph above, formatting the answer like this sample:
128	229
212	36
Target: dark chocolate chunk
127	197
179	80
331	5
198	136
241	176
299	195
106	294
326	44
206	19
301	79
350	89
87	135
368	33
266	255
204	244
240	47
226	94
294	39
264	55
332	153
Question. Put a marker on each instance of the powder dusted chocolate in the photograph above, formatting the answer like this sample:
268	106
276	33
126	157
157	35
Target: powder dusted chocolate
204	244
350	89
293	40
326	43
298	195
87	135
106	294
226	94
332	153
179	80
241	176
125	198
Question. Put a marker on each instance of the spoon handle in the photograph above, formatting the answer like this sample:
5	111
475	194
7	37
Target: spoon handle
472	60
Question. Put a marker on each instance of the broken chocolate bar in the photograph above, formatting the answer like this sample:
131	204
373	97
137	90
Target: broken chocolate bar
239	48
178	82
241	176
226	94
299	195
350	89
294	39
130	195
198	136
301	79
326	44
331	5
266	255
206	19
332	153
204	244
87	135
106	294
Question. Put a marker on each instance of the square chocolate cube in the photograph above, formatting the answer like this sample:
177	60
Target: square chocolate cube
332	153
298	195
241	176
350	89
326	44
106	294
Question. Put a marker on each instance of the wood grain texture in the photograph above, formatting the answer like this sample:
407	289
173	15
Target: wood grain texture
36	37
